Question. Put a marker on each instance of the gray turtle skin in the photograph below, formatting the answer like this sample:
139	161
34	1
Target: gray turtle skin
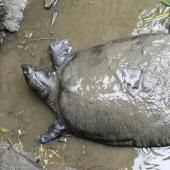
117	93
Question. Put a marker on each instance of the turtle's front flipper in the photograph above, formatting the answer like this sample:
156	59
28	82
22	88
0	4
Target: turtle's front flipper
57	129
60	52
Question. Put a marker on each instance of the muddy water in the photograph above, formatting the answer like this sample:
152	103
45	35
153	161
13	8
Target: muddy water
83	23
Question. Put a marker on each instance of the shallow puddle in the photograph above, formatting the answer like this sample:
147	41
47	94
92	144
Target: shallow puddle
84	24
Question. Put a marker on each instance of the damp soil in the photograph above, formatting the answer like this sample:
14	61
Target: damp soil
84	24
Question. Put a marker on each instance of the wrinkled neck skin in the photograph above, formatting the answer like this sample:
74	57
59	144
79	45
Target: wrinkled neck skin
52	98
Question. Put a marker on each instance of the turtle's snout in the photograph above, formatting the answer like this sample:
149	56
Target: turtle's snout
31	76
39	79
26	69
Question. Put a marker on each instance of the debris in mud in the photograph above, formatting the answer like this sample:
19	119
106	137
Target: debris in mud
55	14
49	155
13	138
155	19
16	158
62	139
50	3
52	157
19	148
65	168
4	130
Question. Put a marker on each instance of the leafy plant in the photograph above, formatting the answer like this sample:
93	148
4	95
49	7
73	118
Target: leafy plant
166	2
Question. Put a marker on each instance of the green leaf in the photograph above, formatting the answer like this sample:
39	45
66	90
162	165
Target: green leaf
166	2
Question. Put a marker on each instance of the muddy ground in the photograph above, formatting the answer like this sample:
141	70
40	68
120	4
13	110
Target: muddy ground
84	24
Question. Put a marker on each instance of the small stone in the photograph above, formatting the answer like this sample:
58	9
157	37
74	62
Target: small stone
62	139
50	3
50	156
45	161
10	159
14	14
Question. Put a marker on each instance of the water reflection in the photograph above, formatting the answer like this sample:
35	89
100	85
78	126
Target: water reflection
152	158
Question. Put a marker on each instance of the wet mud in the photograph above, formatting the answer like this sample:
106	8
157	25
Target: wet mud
84	24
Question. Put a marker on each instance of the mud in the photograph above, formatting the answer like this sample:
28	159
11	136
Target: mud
84	24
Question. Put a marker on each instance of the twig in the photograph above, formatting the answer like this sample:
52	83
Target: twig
10	142
55	14
97	166
40	39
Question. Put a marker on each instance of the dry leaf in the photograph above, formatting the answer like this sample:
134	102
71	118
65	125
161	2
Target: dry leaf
3	129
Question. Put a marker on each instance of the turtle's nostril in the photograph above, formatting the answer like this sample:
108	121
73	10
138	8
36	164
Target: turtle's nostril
25	68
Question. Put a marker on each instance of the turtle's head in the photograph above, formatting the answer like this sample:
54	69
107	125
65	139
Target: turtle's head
40	80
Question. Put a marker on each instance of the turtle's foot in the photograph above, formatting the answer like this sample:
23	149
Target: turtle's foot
60	52
57	129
